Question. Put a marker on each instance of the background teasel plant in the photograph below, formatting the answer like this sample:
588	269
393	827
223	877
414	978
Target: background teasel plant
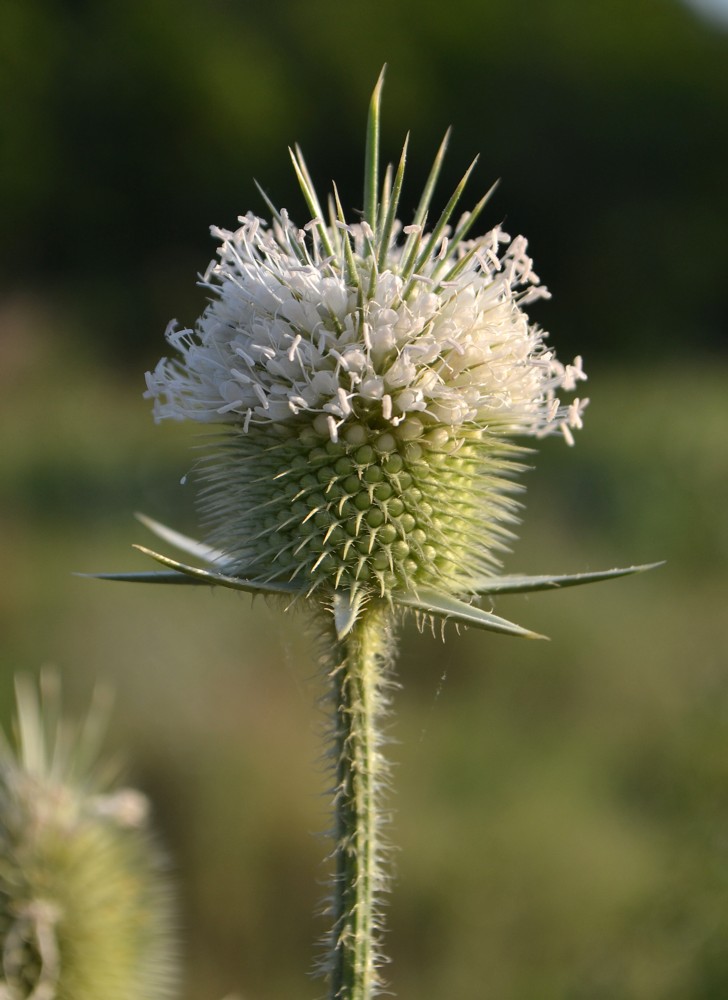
85	905
370	379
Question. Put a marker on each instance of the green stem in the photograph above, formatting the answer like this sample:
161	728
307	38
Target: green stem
358	668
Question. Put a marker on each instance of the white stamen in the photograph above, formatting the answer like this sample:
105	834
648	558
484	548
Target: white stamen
344	403
294	346
291	328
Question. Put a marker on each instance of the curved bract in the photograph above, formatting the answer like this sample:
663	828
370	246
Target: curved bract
346	608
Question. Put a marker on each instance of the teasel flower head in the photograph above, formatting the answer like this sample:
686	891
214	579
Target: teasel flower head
373	383
85	907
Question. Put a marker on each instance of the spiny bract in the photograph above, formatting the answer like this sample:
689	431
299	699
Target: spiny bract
372	378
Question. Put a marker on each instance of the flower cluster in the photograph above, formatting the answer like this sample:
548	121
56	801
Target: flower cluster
289	334
372	378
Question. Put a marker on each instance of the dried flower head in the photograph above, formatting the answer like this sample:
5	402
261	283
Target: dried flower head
370	379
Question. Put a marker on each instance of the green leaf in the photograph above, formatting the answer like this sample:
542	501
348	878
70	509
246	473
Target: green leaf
525	584
452	609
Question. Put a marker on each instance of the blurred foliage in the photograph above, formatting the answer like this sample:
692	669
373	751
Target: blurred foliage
562	807
128	128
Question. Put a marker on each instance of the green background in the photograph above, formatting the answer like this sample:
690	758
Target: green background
560	810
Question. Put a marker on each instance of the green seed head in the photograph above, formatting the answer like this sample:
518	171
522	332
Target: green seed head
84	906
385	519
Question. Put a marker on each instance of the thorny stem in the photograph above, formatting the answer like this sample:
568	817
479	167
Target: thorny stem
358	669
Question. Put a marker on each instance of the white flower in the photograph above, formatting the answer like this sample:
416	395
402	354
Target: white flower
291	334
372	378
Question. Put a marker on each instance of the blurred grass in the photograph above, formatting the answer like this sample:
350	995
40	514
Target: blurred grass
561	808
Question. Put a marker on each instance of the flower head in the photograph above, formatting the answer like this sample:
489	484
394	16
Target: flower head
84	908
371	378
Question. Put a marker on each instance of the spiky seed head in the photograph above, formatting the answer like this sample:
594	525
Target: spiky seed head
371	379
85	908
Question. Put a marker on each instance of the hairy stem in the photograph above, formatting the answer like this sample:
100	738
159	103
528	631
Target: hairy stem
358	670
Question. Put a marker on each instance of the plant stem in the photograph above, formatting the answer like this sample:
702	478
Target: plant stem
358	669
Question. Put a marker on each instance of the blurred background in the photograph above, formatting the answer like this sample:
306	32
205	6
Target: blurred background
561	809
